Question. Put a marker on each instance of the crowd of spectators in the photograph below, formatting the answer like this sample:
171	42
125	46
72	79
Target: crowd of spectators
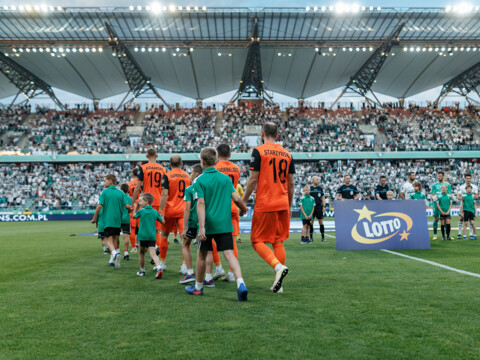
79	130
181	131
426	129
50	187
11	123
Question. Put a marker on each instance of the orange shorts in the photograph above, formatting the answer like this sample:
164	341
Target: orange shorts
159	225
170	224
236	223
270	227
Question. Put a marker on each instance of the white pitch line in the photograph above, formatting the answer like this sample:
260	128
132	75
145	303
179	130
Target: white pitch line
329	235
434	264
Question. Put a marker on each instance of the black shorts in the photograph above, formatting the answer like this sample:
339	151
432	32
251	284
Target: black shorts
101	235
444	217
317	214
468	215
224	242
136	230
192	233
111	231
307	222
126	229
147	243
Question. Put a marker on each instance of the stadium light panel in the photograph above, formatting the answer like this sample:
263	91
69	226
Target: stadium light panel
363	8
150	49
28	7
44	8
307	8
191	49
67	50
74	50
171	8
21	8
316	49
13	7
40	50
448	9
370	48
196	8
94	49
350	49
379	8
5	7
14	50
455	48
462	48
51	8
323	8
27	49
37	8
468	49
330	49
80	50
157	49
204	8
371	8
315	8
59	8
131	8
135	49
148	8
364	49
143	49
47	50
139	8
180	8
188	8
164	49
156	8
177	49
87	49
60	49
100	49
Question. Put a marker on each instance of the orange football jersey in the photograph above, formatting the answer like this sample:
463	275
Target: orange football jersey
176	181
151	175
233	172
131	187
274	163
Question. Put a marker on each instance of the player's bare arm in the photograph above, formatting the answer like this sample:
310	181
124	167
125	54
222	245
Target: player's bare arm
163	199
241	205
291	189
377	196
201	219
339	196
357	196
97	211
402	196
186	215
251	185
137	191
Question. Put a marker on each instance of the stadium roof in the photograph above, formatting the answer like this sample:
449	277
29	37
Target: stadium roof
201	53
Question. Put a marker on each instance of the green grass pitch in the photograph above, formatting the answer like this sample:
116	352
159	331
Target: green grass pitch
60	301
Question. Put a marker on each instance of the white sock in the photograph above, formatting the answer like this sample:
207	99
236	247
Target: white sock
162	264
239	282
277	267
105	248
142	269
198	285
189	271
230	273
219	268
460	226
112	256
208	277
125	253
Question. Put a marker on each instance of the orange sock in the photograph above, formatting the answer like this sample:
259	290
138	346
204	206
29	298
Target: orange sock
183	259
132	238
279	252
158	240
216	258
163	248
265	253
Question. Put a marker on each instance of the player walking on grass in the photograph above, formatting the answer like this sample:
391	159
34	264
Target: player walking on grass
126	221
214	207
174	184
436	193
462	191
147	232
307	208
271	173
190	231
225	166
468	211
150	177
112	201
444	205
133	222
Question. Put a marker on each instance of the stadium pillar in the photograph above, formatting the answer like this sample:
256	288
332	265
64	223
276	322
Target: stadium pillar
462	84
361	83
26	82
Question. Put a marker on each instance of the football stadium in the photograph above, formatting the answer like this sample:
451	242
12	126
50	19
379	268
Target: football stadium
255	180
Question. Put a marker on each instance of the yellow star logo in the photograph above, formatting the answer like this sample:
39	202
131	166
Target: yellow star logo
365	214
404	235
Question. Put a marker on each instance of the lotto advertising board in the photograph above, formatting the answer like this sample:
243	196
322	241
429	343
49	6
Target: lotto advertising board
386	224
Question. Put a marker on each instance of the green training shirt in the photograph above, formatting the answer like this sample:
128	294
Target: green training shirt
216	188
147	230
444	201
469	203
418	196
113	201
192	196
125	213
307	203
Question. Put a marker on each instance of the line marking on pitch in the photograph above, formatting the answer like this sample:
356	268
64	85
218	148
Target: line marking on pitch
434	264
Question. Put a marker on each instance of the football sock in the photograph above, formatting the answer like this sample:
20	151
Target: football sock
311	230
239	282
265	253
435	227
216	257
189	271
443	230
277	267
163	248
448	229
105	248
279	252
322	230
218	268
235	249
183	260
158	242
460	226
198	285
142	269
125	253
208	277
